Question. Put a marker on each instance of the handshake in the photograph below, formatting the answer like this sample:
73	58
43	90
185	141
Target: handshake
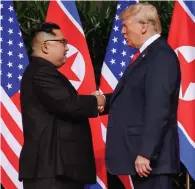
101	100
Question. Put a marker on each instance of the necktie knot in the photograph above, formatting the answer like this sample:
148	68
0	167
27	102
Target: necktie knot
135	56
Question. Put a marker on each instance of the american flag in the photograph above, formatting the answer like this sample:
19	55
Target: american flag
118	57
13	61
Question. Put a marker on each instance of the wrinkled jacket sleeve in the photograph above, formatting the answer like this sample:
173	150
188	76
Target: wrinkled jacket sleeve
55	94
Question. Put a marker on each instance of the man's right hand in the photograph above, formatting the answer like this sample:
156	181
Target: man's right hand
101	100
96	93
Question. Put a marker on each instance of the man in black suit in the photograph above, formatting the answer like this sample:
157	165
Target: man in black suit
57	151
142	136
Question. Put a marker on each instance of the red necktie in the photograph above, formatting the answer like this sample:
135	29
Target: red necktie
135	56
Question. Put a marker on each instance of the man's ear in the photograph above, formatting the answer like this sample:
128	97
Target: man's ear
44	48
144	28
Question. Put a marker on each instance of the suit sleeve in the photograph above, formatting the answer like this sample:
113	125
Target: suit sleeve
56	96
161	79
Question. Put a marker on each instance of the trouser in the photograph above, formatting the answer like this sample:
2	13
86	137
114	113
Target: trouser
153	182
52	183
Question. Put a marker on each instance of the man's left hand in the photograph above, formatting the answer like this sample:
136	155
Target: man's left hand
142	166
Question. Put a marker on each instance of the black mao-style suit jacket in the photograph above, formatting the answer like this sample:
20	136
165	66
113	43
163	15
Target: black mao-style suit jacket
57	136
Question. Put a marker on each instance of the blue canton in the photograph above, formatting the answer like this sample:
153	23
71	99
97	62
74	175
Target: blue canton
14	58
119	54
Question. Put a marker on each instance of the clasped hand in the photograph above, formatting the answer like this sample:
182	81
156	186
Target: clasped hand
101	100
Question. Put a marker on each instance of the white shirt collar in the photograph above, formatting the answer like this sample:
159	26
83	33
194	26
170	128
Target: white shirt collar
148	42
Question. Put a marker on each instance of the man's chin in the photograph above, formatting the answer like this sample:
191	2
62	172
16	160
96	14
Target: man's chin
63	61
131	45
61	64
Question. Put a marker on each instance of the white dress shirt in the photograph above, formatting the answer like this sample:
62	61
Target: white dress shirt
148	42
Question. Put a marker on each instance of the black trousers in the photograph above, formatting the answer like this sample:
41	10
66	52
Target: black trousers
52	183
153	182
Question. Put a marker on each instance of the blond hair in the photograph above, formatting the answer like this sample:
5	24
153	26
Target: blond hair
144	12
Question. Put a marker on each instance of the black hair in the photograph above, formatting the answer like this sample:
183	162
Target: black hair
46	27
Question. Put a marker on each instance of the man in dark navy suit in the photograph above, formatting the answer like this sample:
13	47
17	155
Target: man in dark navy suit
142	136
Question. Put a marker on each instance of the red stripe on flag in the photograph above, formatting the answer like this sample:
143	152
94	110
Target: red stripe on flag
11	156
16	100
99	149
11	125
126	181
105	87
104	120
6	181
177	36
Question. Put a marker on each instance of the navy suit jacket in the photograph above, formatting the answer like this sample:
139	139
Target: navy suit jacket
143	113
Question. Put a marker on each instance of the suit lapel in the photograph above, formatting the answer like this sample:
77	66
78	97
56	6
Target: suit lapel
135	63
127	72
131	67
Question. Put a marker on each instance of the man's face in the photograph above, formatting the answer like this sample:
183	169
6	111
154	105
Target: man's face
132	31
57	48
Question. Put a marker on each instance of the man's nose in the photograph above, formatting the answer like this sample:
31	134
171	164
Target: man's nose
66	48
123	30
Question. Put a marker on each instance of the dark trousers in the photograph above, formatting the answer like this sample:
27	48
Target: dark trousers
52	183
153	182
114	182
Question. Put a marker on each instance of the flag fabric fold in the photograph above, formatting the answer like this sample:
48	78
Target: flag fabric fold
182	40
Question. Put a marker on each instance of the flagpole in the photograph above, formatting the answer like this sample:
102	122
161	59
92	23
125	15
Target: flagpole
187	180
